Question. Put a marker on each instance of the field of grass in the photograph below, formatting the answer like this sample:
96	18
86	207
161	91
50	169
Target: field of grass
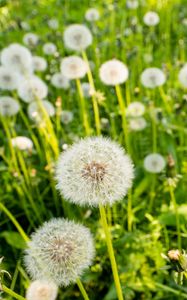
149	219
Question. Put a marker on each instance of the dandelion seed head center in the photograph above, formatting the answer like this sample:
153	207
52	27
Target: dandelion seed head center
73	67
43	292
16	58
78	38
6	78
60	250
94	171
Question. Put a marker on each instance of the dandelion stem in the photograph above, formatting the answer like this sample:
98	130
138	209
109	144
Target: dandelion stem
12	293
169	289
83	108
82	289
15	222
111	252
172	195
94	101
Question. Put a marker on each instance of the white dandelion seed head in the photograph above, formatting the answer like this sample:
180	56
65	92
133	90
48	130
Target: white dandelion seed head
73	67
95	170
137	124
35	112
18	58
132	4
9	79
151	18
22	143
66	117
59	251
32	88
60	81
25	25
49	48
92	14
42	290
8	106
183	76
53	23
87	90
30	39
77	37
154	163
113	72
153	77
39	63
135	109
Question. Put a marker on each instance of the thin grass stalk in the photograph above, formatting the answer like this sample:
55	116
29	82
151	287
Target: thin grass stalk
82	289
11	293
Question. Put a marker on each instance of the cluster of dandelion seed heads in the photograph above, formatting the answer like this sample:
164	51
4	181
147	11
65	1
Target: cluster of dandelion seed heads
59	251
94	171
42	290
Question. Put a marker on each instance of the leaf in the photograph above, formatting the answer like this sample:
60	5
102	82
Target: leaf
13	239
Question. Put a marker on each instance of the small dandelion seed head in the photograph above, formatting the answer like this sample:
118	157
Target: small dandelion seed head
137	124
132	4
39	63
8	106
30	39
153	77
77	37
151	18
22	143
32	88
59	251
135	109
49	48
9	79
42	290
113	72
66	116
94	170
92	14
34	110
183	76
60	81
154	163
53	23
73	67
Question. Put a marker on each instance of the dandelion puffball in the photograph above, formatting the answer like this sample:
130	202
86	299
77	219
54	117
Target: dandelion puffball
18	58
53	23
22	143
8	106
9	79
66	117
154	163
94	171
30	39
59	251
132	4
77	37
32	88
135	109
42	290
60	81
92	15
113	72
151	18
73	67
153	77
183	76
35	111
39	63
49	48
137	124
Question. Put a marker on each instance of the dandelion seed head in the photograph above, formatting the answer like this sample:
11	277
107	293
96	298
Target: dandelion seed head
87	90
94	170
132	4
183	76
151	18
135	109
153	77
154	163
60	81
53	23
30	39
32	88
137	124
35	112
73	67
66	116
42	290
22	143
113	72
59	251
77	37
9	79
8	106
49	48
92	14
39	63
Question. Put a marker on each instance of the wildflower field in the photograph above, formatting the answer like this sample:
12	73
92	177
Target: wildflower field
93	149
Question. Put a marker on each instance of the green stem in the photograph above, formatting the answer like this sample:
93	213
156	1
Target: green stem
111	252
82	289
172	195
169	289
12	293
129	211
15	222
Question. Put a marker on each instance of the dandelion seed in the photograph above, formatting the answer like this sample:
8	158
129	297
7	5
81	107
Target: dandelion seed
60	81
151	18
49	48
9	79
32	88
8	106
113	72
17	58
59	251
42	290
94	171
92	15
154	163
153	77
77	37
73	67
22	143
39	63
